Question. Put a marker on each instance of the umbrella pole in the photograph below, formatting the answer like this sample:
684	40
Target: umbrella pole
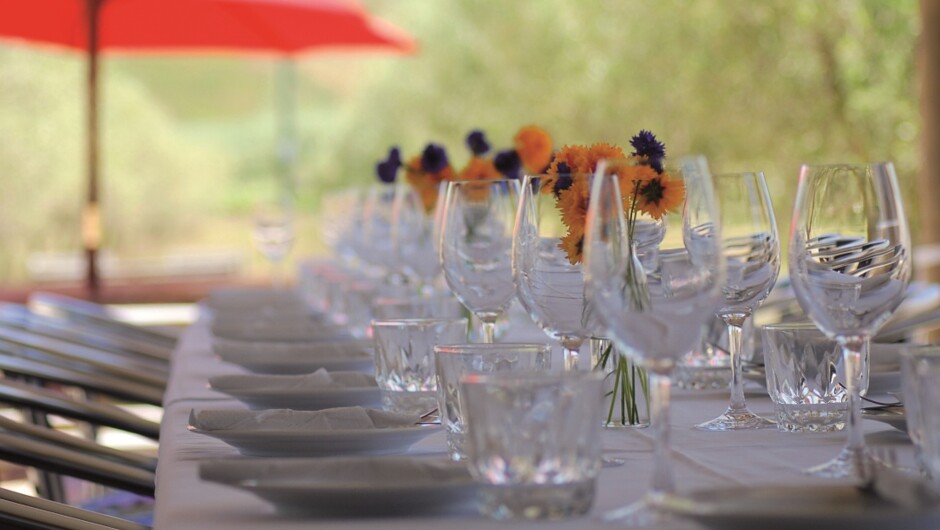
285	109
91	215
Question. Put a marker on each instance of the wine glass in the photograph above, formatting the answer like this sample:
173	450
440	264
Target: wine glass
546	259
850	264
375	246
475	244
273	235
654	304
751	250
413	239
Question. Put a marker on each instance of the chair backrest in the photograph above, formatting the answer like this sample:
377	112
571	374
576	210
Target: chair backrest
118	365
51	402
96	314
30	451
77	444
20	316
103	384
32	513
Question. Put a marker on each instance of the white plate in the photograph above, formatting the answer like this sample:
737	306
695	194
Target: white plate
295	358
281	391
823	507
253	298
300	442
291	330
350	486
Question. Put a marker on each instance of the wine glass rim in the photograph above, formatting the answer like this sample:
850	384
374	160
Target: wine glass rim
481	181
476	348
730	174
835	165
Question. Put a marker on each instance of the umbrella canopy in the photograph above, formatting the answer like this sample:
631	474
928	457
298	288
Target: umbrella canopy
264	26
283	27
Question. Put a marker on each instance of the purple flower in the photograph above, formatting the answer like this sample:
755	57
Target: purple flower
564	180
434	158
387	169
477	143
646	145
394	156
508	163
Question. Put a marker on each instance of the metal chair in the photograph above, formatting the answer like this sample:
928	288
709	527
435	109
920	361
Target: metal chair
22	512
20	316
74	309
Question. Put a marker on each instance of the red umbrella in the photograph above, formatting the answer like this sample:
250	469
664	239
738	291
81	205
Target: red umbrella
263	26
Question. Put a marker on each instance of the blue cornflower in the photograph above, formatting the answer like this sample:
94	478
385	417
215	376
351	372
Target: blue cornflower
646	145
477	143
508	163
387	169
434	158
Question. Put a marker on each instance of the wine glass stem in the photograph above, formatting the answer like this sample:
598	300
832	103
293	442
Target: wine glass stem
735	322
852	359
663	482
489	331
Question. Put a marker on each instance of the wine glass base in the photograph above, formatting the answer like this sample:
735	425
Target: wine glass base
859	464
736	420
646	513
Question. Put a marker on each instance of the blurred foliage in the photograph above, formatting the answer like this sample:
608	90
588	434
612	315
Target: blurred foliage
190	142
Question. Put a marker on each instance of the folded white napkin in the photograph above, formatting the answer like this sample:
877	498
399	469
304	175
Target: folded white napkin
319	380
253	298
341	418
236	350
262	330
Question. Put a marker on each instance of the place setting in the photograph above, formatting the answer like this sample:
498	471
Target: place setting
381	391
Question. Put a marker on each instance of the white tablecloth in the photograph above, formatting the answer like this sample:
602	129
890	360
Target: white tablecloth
701	459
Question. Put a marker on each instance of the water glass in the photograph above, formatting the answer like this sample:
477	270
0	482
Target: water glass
920	366
534	441
455	362
438	306
404	359
803	378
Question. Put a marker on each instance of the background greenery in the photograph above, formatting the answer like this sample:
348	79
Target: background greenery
189	143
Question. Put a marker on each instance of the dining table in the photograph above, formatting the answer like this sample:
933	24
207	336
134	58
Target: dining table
701	459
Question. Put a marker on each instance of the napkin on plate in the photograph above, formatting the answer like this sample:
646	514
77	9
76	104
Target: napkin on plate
270	330
341	418
236	350
321	379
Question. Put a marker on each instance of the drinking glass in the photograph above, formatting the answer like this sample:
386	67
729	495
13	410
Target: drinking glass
534	441
273	234
925	360
803	378
850	265
476	238
653	305
455	362
751	250
375	245
548	277
404	359
413	239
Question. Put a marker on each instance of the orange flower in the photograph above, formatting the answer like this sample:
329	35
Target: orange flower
576	157
573	245
534	146
660	195
426	184
478	169
575	160
598	152
573	203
